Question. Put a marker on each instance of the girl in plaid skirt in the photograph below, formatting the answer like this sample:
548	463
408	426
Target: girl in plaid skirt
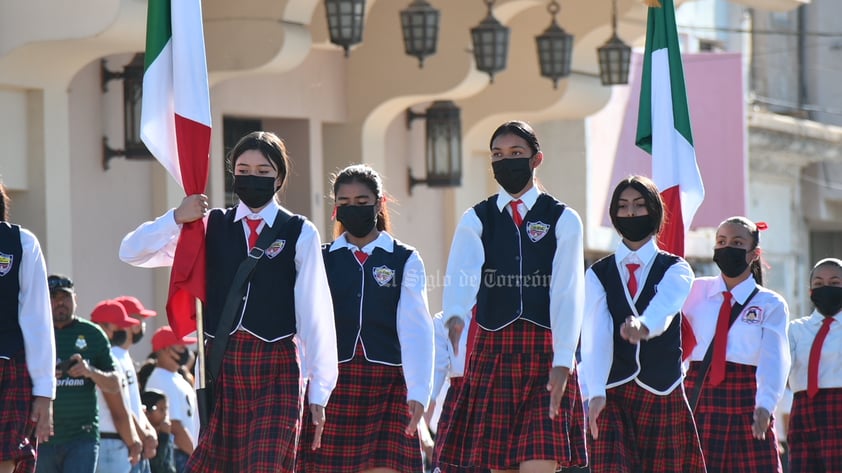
282	332
384	339
749	355
631	346
815	343
517	256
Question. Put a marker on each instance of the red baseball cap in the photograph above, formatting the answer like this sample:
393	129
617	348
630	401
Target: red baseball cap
111	312
164	337
133	306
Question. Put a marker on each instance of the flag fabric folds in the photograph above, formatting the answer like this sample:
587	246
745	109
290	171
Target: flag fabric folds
176	127
664	131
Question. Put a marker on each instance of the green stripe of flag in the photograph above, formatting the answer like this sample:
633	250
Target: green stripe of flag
158	29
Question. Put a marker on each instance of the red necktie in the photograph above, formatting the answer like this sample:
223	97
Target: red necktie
815	357
361	256
632	285
515	204
720	340
253	224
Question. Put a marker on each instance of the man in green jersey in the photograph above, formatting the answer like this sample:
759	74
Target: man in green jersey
83	362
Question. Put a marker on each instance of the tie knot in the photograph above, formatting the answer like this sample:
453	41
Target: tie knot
828	320
516	204
632	267
253	224
727	296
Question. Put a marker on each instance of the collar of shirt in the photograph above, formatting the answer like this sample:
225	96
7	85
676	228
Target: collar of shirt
740	292
527	199
817	319
268	213
643	255
384	241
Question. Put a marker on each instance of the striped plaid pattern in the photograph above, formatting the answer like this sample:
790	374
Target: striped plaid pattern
15	404
444	419
501	417
365	422
723	418
256	419
641	431
815	432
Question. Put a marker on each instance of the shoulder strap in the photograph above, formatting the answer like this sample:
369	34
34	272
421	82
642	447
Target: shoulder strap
238	286
705	366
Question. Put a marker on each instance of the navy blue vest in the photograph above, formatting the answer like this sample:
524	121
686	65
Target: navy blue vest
660	357
518	263
270	304
11	251
365	300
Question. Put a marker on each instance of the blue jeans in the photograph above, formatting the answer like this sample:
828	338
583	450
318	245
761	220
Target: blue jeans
75	456
180	460
141	467
113	457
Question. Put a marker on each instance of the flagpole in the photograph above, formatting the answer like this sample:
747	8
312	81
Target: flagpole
201	372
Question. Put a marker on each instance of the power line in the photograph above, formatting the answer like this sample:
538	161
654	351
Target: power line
820	34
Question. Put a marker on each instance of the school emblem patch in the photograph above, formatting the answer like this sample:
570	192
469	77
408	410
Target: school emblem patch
275	248
81	343
536	230
383	275
753	315
6	263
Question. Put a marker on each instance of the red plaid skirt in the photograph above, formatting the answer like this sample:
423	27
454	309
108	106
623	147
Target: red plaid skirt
501	416
641	431
815	432
365	422
444	419
15	405
723	418
256	418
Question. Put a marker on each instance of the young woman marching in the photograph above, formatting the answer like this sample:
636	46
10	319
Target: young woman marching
384	336
285	316
744	325
815	343
518	256
631	345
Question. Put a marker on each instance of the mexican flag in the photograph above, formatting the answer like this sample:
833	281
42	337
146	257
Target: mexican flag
176	127
664	131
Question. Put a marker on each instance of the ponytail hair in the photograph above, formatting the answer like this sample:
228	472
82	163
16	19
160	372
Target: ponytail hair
4	204
754	233
366	175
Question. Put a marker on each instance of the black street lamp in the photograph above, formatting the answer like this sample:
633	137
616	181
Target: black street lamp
491	43
443	145
614	56
420	25
555	48
345	22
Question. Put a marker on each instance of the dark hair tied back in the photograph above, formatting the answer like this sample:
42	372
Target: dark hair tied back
517	128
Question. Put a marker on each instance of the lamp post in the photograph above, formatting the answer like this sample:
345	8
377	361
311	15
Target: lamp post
420	25
345	22
555	48
443	145
490	40
614	56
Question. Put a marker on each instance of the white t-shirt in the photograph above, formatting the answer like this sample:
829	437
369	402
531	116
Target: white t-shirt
181	398
106	422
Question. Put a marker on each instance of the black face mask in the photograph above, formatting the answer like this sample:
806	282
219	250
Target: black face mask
183	357
827	299
513	174
635	228
731	260
254	191
118	338
137	337
358	220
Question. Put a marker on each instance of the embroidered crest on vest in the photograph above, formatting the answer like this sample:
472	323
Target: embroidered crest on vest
537	230
6	263
275	248
383	275
753	315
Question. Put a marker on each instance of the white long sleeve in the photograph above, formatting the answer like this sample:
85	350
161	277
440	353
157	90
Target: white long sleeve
415	332
597	338
35	317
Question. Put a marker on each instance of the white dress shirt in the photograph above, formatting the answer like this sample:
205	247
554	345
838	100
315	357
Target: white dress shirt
802	332
567	284
415	326
598	326
449	364
757	338
35	317
153	244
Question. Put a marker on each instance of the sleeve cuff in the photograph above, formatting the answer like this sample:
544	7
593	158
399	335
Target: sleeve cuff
564	358
319	394
766	403
420	397
45	387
